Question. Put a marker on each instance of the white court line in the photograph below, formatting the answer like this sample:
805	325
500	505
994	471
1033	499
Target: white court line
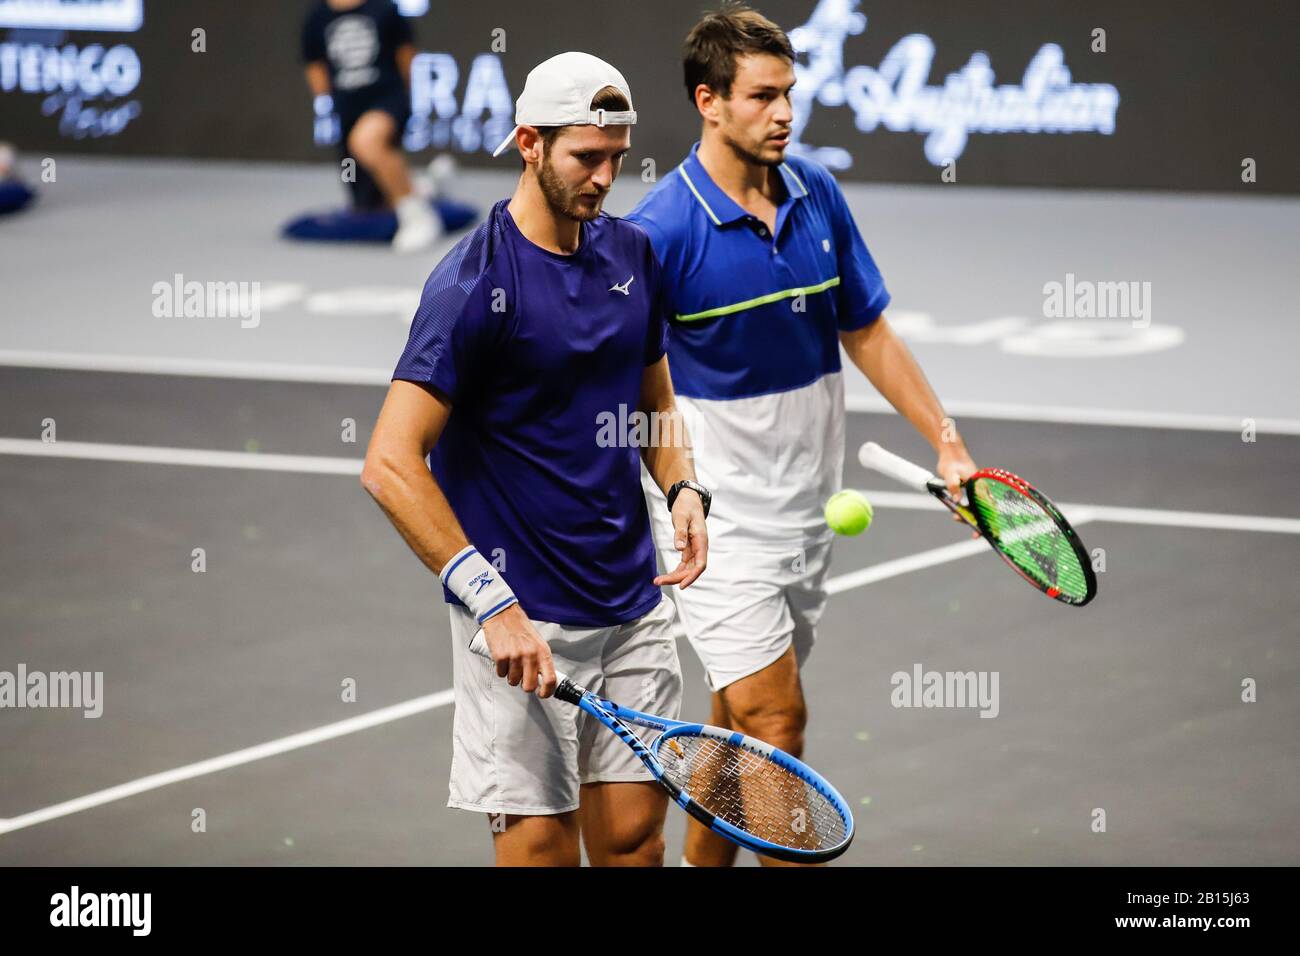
321	465
1189	519
1079	513
926	559
913	562
198	457
1072	415
271	748
356	375
199	368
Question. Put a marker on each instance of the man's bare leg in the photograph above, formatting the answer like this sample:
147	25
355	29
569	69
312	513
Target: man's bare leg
703	846
623	823
536	840
371	142
768	705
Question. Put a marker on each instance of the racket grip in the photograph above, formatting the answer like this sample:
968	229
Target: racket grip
901	470
479	647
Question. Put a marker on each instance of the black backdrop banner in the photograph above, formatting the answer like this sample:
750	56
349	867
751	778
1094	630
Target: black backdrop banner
1193	95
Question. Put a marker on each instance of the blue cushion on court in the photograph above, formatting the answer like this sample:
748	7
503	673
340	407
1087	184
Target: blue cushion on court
347	225
14	196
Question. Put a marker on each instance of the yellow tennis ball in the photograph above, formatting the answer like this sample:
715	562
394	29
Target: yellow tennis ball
848	512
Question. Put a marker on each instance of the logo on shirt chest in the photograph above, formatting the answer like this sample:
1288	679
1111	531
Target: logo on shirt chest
826	245
623	287
352	43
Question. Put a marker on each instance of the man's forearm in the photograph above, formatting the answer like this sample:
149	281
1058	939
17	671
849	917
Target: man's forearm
318	79
667	457
888	363
408	494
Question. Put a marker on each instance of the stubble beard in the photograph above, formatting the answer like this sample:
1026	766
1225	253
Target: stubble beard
562	199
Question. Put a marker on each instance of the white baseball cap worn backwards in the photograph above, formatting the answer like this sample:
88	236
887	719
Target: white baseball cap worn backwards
559	91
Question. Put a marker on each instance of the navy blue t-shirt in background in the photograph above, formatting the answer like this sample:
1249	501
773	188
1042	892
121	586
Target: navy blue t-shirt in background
533	348
359	47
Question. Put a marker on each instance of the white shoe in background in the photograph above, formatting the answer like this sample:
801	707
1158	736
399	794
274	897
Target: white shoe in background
432	181
418	226
442	170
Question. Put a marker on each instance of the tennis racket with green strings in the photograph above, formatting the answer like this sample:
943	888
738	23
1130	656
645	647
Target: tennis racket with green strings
1018	521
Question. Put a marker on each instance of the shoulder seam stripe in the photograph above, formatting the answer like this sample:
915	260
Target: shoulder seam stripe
789	170
690	185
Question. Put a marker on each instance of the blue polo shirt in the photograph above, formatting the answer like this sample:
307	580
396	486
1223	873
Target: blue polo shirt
536	350
753	313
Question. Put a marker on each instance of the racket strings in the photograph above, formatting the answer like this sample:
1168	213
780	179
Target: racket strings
1029	535
751	792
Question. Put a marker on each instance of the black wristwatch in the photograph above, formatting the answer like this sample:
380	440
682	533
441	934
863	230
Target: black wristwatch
706	497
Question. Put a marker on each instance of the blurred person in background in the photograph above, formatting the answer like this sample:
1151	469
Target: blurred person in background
359	52
14	193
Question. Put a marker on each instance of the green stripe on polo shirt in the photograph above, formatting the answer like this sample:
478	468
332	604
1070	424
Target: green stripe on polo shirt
761	300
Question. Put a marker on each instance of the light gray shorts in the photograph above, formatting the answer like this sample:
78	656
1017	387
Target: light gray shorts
514	753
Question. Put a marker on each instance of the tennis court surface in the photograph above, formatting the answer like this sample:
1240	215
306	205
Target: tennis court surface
223	690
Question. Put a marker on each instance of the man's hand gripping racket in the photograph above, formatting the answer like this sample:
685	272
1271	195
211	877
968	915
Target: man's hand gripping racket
1018	521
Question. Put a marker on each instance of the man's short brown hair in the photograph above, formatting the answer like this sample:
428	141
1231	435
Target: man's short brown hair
711	48
611	99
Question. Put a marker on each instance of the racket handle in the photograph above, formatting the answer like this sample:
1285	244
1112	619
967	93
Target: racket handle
901	470
479	647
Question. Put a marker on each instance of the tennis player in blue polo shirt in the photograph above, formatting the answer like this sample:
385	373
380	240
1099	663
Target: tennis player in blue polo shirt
767	278
534	331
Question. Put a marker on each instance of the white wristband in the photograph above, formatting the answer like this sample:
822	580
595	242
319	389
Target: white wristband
480	587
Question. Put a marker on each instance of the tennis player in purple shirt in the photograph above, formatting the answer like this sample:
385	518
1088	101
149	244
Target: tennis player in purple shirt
537	330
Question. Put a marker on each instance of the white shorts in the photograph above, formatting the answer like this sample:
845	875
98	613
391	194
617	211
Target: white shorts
748	607
515	753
